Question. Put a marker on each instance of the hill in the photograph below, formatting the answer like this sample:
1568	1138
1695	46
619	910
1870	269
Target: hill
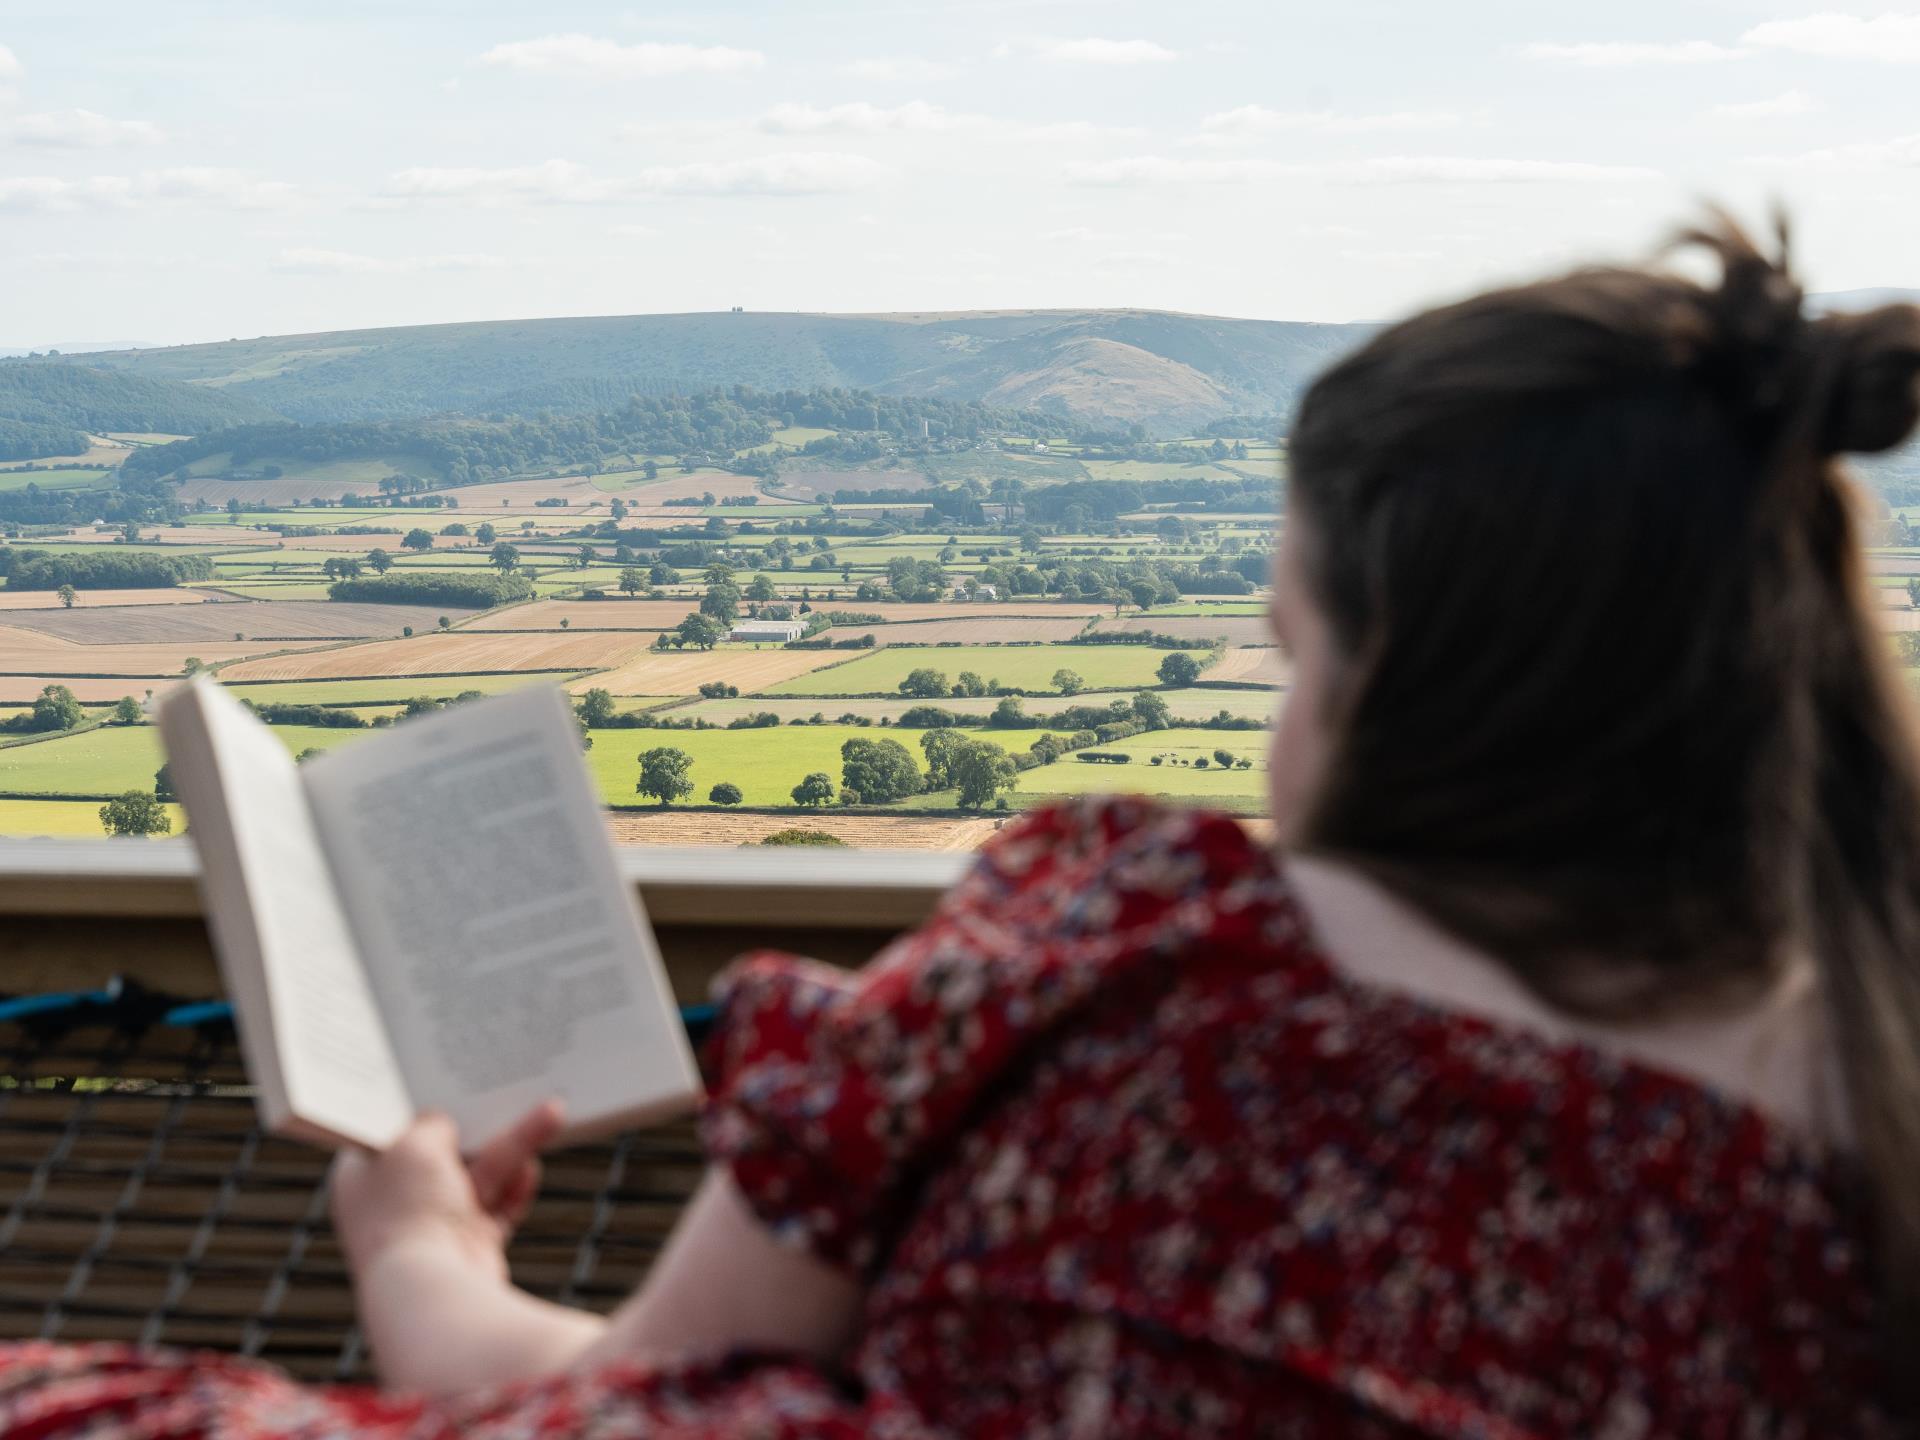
1163	370
48	406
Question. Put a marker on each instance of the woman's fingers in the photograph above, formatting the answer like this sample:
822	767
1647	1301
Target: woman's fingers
506	1169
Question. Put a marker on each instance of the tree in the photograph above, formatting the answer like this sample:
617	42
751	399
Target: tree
816	789
969	683
379	560
596	706
127	712
662	573
700	631
56	708
979	770
505	558
924	684
664	774
486	534
760	590
1224	759
618	509
67	596
650	470
418	539
341	567
1179	668
631	581
721	603
940	746
584	556
880	770
193	666
913	579
1144	593
163	783
725	793
1151	711
1067	682
136	812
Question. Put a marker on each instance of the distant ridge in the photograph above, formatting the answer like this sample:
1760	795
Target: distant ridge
1164	370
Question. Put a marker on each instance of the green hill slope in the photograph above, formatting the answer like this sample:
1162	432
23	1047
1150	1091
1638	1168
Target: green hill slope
47	405
1162	369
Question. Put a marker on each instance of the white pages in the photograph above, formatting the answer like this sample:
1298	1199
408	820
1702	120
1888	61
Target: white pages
427	919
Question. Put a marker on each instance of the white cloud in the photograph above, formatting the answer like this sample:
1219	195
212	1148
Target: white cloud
10	67
226	189
1782	106
1900	153
80	130
1088	51
1251	120
576	54
1387	169
1617	52
905	69
343	262
1889	36
858	117
562	182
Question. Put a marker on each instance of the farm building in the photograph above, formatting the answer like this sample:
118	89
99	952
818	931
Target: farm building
780	630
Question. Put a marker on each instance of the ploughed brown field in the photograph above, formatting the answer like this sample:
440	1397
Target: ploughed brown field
621	614
971	630
101	599
1267	666
876	832
678	672
31	652
1234	629
455	653
251	619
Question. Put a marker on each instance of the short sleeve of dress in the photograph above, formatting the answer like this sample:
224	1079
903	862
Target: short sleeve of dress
830	1090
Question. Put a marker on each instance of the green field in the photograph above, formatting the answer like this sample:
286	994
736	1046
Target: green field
63	819
1023	667
1182	782
114	758
57	479
367	470
377	691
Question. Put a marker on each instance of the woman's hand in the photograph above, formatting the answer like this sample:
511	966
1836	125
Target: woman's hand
419	1192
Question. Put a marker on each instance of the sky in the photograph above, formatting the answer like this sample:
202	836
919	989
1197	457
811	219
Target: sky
200	169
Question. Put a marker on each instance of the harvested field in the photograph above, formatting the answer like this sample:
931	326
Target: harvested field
100	599
361	544
972	630
253	620
620	614
684	672
896	611
197	535
867	832
1020	667
578	491
29	652
286	490
1234	629
19	689
455	653
1265	665
635	489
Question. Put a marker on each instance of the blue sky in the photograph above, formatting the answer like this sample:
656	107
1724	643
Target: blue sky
196	169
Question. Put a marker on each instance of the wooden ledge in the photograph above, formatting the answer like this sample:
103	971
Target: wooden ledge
680	885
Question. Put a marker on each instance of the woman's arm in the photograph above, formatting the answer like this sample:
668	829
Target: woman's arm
425	1233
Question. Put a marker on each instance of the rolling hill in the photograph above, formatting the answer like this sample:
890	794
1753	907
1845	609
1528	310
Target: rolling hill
48	406
1164	370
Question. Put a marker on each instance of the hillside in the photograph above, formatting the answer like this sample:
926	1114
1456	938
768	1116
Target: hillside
48	406
1163	370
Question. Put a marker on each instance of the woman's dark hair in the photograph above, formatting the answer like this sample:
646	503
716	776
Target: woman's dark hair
1614	706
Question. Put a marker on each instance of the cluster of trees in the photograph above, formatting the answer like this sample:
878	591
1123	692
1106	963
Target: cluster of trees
100	570
54	708
48	403
436	587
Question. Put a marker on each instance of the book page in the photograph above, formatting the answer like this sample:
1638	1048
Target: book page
313	1040
508	957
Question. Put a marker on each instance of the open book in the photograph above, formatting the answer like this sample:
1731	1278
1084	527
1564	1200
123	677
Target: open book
427	919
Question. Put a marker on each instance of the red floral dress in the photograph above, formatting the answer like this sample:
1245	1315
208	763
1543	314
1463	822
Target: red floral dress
1120	1154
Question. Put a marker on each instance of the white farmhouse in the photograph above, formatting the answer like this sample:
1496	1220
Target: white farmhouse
768	630
986	592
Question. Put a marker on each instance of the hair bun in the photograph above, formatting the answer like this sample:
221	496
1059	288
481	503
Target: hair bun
1870	363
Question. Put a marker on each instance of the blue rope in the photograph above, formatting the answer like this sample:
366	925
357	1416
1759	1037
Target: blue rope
24	1007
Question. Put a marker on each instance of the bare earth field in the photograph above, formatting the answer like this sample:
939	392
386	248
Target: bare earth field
970	630
251	619
1266	666
875	832
578	491
100	599
29	652
448	654
672	485
587	615
949	609
817	484
1234	629
684	672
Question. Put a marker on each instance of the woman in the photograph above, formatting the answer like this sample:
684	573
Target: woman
1563	1079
